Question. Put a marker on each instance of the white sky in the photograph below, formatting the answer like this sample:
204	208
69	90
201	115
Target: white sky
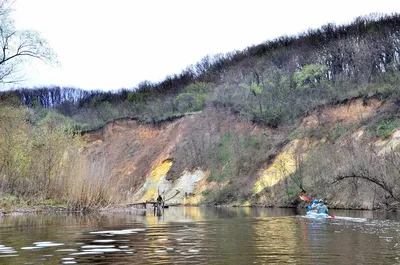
111	44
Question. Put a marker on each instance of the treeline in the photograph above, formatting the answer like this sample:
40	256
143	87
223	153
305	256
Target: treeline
271	83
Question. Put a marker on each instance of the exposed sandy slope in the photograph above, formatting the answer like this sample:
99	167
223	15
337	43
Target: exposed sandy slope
143	159
352	112
137	157
130	151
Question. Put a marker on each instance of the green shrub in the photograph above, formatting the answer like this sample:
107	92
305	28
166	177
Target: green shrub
310	75
316	133
249	142
199	87
190	102
292	192
337	132
272	116
297	134
385	90
205	192
385	127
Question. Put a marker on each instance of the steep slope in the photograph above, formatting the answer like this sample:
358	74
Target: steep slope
130	151
297	168
169	157
215	157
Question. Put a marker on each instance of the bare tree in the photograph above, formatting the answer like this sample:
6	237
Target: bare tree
18	46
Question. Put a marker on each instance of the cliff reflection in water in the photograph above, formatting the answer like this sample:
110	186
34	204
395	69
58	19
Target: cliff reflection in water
200	235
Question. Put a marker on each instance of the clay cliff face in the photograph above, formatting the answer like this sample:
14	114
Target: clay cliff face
188	159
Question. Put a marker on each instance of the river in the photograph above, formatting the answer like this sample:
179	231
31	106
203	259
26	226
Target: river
201	235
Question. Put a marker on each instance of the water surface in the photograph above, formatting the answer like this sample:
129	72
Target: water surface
201	235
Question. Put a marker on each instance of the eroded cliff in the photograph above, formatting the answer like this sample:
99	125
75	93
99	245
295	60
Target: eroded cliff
216	157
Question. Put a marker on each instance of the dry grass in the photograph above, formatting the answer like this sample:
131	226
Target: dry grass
90	187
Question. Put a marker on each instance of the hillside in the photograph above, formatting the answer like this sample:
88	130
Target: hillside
315	113
192	160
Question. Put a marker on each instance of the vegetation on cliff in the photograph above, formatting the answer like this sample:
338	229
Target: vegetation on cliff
273	85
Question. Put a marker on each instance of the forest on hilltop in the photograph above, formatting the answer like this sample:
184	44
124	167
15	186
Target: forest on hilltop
271	83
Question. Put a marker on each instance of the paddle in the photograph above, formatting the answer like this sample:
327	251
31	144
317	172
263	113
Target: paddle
304	198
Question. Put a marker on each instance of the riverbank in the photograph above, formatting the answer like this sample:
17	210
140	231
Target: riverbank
59	209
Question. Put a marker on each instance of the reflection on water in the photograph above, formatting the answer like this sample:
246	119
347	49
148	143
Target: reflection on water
201	235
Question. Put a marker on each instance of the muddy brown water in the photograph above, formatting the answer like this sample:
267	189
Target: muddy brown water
201	235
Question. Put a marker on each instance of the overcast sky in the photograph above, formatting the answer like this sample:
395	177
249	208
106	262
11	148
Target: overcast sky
112	44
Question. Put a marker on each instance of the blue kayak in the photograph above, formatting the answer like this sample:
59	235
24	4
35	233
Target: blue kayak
318	215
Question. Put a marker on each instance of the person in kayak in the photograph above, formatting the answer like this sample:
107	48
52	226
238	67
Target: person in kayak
321	208
313	207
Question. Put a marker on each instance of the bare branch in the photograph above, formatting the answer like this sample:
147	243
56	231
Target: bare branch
18	46
381	184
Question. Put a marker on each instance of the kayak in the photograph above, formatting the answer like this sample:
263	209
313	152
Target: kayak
318	215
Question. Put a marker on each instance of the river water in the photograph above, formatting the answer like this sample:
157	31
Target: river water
201	235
